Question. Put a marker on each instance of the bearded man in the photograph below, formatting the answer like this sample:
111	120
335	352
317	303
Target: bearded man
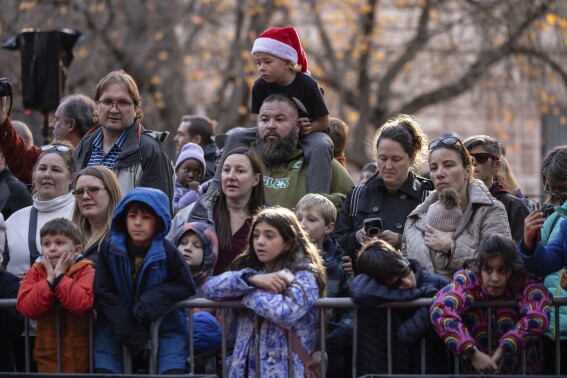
285	176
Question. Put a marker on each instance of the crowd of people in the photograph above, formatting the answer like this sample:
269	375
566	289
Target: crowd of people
102	218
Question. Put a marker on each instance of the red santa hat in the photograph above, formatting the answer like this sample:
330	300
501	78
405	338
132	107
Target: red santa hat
283	43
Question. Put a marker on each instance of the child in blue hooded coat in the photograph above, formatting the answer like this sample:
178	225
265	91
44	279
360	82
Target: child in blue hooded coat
139	276
198	244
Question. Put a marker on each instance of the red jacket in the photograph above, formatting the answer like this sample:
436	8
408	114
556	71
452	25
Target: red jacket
37	301
20	157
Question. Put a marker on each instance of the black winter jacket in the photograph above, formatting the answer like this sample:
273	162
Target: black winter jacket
11	322
375	201
408	327
515	208
14	194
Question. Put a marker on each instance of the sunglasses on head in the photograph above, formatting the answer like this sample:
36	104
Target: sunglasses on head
449	141
51	147
482	157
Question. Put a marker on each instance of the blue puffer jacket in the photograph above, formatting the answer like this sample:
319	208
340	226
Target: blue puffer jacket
124	309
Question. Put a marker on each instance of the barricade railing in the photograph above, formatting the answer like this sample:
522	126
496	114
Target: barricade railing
322	304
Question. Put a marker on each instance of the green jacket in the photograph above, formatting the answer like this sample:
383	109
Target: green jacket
552	280
286	183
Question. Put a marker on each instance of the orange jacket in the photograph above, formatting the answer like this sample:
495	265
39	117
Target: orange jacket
75	294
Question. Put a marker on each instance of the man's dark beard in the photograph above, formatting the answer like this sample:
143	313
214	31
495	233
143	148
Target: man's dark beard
276	152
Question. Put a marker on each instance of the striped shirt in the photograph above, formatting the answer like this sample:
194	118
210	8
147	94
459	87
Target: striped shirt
99	158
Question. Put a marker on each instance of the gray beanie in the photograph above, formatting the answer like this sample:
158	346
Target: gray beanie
445	214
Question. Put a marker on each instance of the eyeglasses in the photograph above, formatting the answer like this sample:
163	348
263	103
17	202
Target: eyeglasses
51	147
120	104
449	141
92	191
398	282
547	190
482	157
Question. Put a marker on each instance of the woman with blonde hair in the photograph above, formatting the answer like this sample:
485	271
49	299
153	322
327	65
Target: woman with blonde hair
97	192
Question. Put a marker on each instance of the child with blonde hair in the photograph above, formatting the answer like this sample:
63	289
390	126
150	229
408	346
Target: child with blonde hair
317	216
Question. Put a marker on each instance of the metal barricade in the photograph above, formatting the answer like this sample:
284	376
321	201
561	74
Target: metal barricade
321	304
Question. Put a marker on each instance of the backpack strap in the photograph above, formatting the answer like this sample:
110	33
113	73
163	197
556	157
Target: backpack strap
32	230
297	345
555	220
426	187
354	200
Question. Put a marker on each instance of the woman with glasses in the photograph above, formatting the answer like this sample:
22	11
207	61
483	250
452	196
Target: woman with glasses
97	192
386	276
554	177
121	143
392	193
443	253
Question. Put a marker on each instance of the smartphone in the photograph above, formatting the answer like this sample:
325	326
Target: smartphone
373	226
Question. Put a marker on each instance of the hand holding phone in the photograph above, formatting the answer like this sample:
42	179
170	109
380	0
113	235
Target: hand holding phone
373	226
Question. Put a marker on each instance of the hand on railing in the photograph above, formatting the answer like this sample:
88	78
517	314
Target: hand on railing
483	363
273	283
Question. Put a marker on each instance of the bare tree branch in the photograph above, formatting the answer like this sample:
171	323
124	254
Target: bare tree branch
545	58
476	70
416	44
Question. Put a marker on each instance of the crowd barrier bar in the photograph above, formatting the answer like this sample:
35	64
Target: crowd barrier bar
322	304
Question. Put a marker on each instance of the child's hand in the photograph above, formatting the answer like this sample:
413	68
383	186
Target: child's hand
563	280
46	261
305	125
497	356
362	237
532	226
273	283
194	185
438	240
483	363
347	265
64	263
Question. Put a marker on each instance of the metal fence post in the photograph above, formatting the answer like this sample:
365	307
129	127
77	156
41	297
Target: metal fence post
191	343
